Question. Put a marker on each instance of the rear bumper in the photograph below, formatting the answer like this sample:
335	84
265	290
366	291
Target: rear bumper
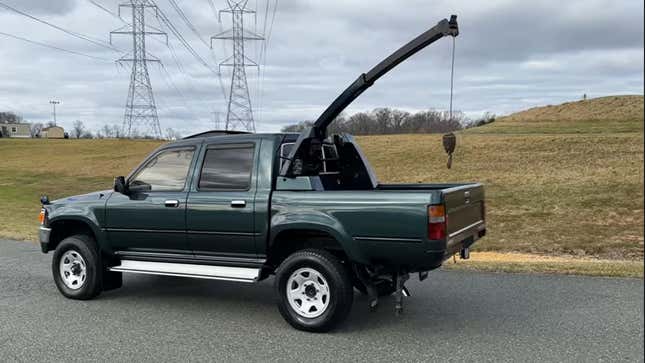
419	255
43	235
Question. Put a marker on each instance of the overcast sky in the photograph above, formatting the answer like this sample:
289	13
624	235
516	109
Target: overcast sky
510	55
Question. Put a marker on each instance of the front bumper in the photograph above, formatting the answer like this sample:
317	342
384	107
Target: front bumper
43	235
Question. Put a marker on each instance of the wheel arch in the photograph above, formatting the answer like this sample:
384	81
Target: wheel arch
289	238
64	227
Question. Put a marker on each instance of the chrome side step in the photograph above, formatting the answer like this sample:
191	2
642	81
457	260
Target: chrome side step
239	274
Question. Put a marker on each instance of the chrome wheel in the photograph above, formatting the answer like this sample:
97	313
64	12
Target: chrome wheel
308	292
73	270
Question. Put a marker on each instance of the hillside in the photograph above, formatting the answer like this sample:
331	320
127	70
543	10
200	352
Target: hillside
612	108
614	114
572	187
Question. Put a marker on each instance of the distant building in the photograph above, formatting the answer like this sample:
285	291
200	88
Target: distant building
53	132
15	130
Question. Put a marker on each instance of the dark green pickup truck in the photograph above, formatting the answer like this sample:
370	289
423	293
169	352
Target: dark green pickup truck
241	207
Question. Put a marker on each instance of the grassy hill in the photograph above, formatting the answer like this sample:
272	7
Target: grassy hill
571	185
613	114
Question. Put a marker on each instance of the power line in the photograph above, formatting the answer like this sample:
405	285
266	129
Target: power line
164	20
53	47
69	32
263	52
190	25
105	9
170	26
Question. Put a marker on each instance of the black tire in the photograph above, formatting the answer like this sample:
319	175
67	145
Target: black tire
384	287
84	246
341	294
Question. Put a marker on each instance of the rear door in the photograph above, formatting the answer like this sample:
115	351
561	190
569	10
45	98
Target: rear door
221	203
153	221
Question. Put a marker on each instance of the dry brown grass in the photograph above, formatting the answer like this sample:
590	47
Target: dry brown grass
577	195
31	168
612	108
552	188
529	263
571	187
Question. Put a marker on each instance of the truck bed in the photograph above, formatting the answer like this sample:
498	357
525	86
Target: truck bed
389	225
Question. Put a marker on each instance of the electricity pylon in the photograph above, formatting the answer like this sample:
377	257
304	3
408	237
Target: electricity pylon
140	109
239	115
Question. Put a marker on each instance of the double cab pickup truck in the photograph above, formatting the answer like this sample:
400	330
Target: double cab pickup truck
306	209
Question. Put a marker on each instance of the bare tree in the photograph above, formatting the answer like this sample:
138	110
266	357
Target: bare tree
106	132
35	130
172	134
10	118
78	129
388	121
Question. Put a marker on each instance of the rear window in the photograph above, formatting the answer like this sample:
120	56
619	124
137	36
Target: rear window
227	168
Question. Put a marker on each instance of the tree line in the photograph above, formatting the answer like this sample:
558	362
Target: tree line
382	121
80	131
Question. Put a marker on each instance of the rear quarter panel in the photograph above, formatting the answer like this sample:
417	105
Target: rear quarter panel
373	226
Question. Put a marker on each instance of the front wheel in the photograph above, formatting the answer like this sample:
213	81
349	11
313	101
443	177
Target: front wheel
314	290
77	268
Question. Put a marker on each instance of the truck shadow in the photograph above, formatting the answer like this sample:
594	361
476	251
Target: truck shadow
197	297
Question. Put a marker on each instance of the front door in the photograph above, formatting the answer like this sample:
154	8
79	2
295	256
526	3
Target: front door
154	220
220	207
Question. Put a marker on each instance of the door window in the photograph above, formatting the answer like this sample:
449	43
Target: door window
227	168
166	172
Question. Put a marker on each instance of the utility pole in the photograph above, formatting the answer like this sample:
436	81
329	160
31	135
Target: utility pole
141	117
54	103
239	115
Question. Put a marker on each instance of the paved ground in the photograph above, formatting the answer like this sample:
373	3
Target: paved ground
453	316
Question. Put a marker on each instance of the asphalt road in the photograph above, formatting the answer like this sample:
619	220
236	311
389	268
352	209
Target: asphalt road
452	316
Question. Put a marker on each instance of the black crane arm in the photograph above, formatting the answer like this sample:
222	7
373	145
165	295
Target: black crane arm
319	129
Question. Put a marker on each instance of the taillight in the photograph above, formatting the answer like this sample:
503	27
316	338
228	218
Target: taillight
41	216
437	221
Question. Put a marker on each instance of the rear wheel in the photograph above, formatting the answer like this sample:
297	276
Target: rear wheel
77	268
314	290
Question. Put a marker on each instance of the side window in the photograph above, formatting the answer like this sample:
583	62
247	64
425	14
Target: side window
167	171
227	168
285	150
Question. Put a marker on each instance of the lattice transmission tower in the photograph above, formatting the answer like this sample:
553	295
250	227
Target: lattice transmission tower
239	115
141	117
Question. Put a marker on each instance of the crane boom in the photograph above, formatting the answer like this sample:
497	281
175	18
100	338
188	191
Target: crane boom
319	129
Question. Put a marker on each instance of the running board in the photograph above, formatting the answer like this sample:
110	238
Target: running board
239	274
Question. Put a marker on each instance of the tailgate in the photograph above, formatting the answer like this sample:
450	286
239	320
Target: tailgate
465	210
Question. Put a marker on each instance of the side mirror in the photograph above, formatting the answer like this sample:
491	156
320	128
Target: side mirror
139	187
449	144
120	186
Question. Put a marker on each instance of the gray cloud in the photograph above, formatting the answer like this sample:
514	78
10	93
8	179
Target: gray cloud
42	7
510	55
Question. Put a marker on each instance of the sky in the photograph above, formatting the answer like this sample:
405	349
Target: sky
509	56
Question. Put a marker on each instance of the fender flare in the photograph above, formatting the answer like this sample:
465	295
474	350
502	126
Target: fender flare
316	221
93	225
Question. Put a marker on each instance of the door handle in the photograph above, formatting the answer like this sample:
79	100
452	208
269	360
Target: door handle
238	203
171	203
